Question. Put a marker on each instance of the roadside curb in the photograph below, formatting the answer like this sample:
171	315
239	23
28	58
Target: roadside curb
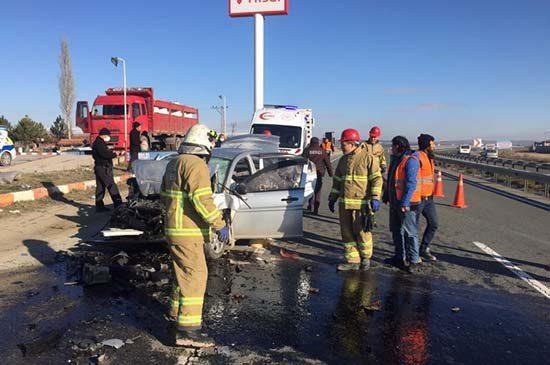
38	154
8	199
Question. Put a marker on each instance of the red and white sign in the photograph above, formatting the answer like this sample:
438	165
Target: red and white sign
251	7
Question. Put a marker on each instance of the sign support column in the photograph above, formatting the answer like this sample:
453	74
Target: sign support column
258	61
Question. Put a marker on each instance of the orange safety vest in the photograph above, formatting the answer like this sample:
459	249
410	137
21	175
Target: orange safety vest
400	179
327	146
427	176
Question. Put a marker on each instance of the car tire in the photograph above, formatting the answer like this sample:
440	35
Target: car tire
5	159
214	249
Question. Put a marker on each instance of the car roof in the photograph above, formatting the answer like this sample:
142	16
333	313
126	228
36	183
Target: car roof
232	153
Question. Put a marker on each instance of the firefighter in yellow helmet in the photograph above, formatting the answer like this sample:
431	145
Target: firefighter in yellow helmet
358	186
191	218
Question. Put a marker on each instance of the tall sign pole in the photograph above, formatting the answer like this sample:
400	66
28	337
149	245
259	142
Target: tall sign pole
257	9
258	61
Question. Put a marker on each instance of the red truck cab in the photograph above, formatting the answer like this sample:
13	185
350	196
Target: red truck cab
164	123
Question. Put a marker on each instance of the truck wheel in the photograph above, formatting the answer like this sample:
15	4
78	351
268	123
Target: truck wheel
214	249
5	159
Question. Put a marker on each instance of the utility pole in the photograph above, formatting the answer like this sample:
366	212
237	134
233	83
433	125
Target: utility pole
233	128
222	109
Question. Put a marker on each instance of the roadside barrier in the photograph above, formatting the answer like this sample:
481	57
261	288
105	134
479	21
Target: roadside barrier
8	199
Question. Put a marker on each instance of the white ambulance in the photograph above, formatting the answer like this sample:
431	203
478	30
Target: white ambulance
294	126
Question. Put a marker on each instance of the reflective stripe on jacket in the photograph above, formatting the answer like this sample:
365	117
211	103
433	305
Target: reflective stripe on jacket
187	196
427	176
357	179
404	182
377	150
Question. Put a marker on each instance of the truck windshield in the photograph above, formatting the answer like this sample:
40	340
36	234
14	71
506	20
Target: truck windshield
99	110
290	137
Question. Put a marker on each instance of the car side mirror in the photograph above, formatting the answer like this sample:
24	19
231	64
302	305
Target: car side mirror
241	189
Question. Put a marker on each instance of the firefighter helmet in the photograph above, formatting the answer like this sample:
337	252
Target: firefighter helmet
375	132
200	137
350	135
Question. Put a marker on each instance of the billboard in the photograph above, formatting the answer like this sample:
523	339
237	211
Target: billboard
250	7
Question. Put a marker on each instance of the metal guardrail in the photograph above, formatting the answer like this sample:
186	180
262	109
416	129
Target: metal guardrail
540	178
514	164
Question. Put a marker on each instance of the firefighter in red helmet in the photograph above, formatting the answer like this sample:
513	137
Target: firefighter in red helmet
376	149
357	186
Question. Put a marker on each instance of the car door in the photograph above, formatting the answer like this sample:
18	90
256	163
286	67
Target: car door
274	198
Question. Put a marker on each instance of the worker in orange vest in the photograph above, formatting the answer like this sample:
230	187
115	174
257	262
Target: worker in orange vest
426	149
403	195
327	146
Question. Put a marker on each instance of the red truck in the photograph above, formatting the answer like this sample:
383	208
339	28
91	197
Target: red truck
165	123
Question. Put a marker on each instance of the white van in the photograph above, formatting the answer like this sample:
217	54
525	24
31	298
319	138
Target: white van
464	149
294	126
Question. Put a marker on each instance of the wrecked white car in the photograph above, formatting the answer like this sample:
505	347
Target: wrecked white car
260	191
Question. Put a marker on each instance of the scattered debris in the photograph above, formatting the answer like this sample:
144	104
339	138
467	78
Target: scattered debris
288	254
314	290
92	275
121	258
114	342
239	296
70	283
9	177
237	262
308	268
40	344
15	211
32	293
373	306
455	309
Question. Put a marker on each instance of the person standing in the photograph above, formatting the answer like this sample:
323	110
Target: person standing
103	170
403	195
191	215
357	185
319	157
328	146
374	146
135	143
426	149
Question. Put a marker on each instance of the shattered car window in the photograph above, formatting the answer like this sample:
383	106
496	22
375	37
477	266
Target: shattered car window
284	175
220	166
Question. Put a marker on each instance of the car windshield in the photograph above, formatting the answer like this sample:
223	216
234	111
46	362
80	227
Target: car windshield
289	137
99	110
220	166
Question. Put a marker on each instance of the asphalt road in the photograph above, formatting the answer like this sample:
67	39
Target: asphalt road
467	308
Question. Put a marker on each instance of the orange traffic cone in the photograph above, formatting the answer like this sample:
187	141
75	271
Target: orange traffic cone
438	190
459	197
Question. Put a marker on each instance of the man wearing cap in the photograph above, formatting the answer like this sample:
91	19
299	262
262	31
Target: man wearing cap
319	157
135	143
357	186
103	170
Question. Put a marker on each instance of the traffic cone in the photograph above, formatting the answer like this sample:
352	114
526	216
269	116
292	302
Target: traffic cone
438	190
459	197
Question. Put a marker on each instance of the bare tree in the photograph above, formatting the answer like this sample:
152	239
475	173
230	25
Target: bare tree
66	86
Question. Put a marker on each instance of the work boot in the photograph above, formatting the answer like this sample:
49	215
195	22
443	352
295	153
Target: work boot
365	264
427	255
316	209
193	339
413	268
348	267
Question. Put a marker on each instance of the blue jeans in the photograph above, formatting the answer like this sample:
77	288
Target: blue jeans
427	209
404	231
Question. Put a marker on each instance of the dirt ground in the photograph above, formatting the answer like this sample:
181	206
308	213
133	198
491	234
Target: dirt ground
527	156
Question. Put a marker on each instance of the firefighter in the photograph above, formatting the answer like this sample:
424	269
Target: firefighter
376	148
319	157
103	171
191	216
403	195
358	186
426	149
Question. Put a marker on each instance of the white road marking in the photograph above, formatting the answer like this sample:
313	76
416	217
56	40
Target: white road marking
537	285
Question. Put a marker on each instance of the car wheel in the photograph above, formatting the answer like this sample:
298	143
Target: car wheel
214	249
5	159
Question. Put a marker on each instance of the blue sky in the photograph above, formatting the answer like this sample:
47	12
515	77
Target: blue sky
455	69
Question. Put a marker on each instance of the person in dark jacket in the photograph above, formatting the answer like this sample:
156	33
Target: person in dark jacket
403	196
320	158
103	170
135	143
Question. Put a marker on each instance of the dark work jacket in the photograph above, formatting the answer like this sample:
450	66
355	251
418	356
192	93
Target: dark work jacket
102	155
135	142
320	158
